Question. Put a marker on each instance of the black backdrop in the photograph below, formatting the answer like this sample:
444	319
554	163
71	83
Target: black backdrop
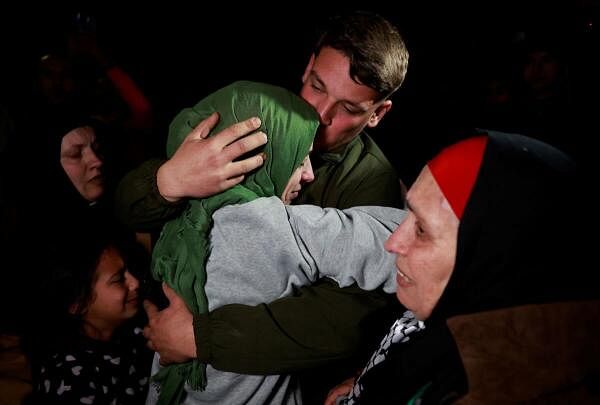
178	53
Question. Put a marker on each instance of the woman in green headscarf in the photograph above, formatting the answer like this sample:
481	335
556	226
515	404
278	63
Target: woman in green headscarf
179	257
247	246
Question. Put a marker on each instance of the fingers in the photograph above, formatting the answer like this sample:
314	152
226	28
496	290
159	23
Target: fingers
150	308
202	130
232	182
341	390
334	394
236	169
331	399
238	130
163	361
150	345
245	145
147	332
169	292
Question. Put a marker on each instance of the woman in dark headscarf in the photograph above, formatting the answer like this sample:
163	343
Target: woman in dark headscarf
487	228
77	177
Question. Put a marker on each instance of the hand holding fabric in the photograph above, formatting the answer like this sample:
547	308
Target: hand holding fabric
170	332
203	167
340	390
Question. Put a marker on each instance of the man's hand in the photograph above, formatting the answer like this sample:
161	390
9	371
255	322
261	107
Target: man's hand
341	390
202	167
170	332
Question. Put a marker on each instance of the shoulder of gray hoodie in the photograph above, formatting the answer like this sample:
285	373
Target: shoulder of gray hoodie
286	246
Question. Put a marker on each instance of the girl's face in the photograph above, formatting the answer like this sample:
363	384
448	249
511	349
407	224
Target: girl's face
114	293
79	158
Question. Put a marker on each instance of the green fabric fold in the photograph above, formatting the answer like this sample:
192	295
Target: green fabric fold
180	254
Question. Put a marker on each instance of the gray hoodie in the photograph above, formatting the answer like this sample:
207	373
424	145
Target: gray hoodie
263	250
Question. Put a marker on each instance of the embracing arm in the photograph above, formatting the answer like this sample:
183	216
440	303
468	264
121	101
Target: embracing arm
149	195
139	203
314	325
347	245
319	324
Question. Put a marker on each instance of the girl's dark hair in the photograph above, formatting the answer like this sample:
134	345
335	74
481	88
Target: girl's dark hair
73	266
72	260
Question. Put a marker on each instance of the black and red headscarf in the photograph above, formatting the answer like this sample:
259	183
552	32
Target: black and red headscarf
517	201
519	242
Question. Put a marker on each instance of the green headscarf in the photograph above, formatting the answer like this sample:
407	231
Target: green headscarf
180	255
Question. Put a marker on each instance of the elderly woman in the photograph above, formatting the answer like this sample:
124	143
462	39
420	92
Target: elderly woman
487	228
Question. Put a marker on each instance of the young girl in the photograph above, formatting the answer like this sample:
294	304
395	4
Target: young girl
98	353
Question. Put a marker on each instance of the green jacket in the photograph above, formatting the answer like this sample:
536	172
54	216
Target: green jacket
356	174
320	323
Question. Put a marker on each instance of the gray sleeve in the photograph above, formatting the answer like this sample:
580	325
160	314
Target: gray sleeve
347	245
254	256
262	250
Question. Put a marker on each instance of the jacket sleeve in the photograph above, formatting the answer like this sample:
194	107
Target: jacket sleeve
379	186
138	203
347	245
317	325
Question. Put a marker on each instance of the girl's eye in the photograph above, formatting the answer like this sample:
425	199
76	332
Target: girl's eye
119	277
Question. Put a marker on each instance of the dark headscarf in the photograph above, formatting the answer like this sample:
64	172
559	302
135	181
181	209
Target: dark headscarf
61	196
518	232
518	243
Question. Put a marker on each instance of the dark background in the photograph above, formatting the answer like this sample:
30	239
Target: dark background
178	54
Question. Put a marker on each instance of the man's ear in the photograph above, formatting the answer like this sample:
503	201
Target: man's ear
308	68
379	113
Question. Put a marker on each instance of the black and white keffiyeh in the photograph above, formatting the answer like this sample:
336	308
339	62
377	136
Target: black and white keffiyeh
399	333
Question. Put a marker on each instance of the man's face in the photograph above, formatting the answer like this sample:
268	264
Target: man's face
425	246
344	106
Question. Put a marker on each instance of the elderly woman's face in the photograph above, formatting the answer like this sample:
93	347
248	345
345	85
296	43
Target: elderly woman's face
79	158
425	246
